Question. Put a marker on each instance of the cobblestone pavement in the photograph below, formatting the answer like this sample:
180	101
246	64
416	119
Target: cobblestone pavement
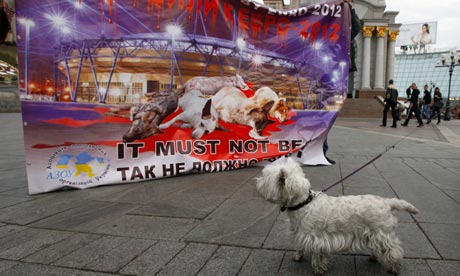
217	224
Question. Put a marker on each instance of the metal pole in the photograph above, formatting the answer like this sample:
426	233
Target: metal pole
172	65
114	64
26	73
240	60
56	75
447	112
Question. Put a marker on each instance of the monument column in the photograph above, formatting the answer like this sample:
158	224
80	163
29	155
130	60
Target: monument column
380	59
366	72
392	35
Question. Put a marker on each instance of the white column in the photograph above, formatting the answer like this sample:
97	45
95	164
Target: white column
380	59
391	54
366	72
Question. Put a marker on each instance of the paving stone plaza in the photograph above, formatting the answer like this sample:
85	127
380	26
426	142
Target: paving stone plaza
217	224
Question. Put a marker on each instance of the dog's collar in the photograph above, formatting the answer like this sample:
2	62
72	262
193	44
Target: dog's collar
298	206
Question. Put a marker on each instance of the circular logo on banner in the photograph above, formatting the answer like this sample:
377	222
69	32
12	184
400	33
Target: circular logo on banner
78	165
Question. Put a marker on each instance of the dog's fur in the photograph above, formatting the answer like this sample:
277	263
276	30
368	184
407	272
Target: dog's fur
234	107
279	110
146	117
197	113
211	85
352	224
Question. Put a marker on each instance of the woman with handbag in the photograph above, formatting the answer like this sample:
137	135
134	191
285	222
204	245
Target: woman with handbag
437	105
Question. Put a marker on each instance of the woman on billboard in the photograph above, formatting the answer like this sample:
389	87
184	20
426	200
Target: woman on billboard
424	38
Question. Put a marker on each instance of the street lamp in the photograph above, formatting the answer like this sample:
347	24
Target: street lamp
343	84
27	23
257	60
451	64
59	22
174	31
241	44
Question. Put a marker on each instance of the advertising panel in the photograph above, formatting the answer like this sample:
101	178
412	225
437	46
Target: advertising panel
122	91
422	33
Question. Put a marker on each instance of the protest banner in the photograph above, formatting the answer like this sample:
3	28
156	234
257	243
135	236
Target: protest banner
122	91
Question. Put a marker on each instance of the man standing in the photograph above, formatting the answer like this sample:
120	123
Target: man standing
413	107
391	100
355	30
426	103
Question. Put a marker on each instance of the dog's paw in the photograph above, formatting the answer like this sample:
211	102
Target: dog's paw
395	269
297	257
319	271
319	264
253	134
373	259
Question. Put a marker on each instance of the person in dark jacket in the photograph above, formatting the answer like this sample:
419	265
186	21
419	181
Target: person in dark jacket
4	24
355	30
391	100
426	103
408	93
437	105
413	107
409	90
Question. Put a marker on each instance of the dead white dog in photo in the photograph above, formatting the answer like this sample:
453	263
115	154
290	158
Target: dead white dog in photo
321	225
197	113
234	107
211	85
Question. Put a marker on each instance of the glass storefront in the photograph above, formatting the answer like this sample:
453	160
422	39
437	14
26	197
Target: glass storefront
421	69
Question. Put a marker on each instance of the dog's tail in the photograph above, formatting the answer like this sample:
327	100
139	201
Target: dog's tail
402	205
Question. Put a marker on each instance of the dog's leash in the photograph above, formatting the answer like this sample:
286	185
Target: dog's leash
367	163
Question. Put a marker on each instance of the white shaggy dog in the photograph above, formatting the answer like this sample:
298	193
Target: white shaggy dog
322	224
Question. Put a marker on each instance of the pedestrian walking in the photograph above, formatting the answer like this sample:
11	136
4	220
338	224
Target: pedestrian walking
391	100
437	105
413	107
426	104
409	90
408	94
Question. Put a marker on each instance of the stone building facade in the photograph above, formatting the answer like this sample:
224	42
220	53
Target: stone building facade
375	55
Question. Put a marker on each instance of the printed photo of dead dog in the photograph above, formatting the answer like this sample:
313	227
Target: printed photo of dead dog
233	106
211	85
147	117
321	225
197	113
279	110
